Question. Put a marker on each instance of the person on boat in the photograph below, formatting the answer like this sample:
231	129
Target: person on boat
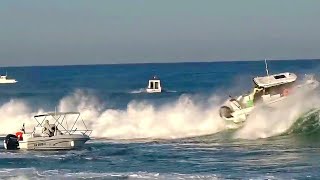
47	129
255	95
23	129
58	132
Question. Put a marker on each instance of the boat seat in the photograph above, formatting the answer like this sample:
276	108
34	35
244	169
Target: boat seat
37	131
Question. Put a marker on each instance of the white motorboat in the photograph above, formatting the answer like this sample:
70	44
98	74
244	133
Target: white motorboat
154	85
46	136
4	80
268	90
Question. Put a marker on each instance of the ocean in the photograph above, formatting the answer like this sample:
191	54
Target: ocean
173	135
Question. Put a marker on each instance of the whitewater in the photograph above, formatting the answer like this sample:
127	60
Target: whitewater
184	117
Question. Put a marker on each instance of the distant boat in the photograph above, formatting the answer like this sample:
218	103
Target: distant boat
154	85
4	80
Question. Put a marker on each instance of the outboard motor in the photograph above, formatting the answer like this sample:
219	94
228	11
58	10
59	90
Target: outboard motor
225	112
11	142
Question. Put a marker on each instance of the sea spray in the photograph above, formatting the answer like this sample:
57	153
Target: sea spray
266	122
182	118
13	114
138	91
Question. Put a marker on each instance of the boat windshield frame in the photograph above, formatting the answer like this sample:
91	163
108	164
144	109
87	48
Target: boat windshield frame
59	118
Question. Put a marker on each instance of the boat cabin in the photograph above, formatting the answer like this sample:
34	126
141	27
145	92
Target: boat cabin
273	86
275	80
154	85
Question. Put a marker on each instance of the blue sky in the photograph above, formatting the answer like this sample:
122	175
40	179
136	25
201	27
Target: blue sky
43	32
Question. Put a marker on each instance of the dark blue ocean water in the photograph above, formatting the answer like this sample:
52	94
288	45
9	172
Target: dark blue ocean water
173	135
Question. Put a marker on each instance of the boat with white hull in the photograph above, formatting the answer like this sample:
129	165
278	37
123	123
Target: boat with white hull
46	136
5	80
154	85
269	91
59	142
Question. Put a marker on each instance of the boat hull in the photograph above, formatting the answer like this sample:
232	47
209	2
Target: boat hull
8	81
61	142
153	90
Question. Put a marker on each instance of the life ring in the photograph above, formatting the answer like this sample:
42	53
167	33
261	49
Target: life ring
19	135
285	92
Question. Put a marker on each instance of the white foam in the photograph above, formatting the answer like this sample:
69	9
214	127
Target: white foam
185	117
142	90
181	118
264	123
13	114
32	173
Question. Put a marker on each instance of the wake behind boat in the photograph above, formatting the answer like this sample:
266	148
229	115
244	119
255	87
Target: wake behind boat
46	136
268	90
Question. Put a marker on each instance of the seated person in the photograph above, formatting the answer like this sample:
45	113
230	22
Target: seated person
23	129
46	129
58	132
256	94
53	129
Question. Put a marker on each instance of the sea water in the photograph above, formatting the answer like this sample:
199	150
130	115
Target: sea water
173	135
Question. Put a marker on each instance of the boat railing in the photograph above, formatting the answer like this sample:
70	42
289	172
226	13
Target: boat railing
59	118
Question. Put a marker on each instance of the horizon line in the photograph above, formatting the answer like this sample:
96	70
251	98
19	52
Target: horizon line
137	63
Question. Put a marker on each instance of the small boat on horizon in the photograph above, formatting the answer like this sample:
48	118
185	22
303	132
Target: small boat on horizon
154	85
5	80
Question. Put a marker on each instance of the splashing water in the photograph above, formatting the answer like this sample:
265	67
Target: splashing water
13	114
265	122
182	118
141	90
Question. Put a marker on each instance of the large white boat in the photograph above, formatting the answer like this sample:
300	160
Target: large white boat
5	80
47	136
268	90
154	85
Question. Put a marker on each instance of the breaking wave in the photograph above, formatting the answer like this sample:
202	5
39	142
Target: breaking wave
185	117
308	123
266	122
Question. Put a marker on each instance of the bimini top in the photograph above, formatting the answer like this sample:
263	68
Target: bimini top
275	79
57	114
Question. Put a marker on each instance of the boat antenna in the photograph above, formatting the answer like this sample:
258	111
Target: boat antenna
265	61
